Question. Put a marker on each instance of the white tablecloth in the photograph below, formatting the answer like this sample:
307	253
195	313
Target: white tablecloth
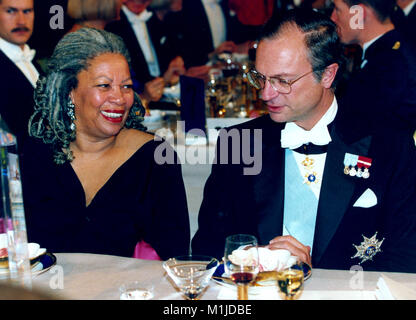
90	276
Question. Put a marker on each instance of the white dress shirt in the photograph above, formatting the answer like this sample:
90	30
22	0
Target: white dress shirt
216	21
138	23
294	136
22	59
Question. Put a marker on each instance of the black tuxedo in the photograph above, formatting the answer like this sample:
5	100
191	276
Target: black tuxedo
16	92
139	66
197	33
253	204
384	91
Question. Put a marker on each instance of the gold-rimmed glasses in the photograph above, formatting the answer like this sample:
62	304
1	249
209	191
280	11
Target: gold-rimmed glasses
258	81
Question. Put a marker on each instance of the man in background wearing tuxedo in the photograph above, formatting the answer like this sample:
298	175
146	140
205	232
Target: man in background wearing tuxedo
19	75
152	66
334	196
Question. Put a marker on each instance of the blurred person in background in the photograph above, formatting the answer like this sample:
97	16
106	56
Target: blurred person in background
152	65
404	18
19	72
209	28
93	13
383	88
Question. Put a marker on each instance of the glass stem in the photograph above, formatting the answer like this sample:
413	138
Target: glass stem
242	292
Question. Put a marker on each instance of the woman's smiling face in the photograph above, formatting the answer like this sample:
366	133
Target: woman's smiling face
103	96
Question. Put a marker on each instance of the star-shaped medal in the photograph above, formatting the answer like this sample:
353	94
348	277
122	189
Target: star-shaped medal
368	248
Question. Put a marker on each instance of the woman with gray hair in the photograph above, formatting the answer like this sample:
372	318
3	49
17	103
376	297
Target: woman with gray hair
90	179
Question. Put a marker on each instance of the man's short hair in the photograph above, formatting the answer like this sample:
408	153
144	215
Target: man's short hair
382	8
321	38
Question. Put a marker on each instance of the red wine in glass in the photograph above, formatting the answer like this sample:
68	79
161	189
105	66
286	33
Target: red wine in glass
242	277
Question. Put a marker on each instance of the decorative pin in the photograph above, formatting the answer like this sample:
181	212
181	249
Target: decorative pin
347	163
353	159
310	176
366	163
396	45
368	248
359	171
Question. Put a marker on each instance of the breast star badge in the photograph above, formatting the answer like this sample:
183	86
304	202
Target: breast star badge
368	248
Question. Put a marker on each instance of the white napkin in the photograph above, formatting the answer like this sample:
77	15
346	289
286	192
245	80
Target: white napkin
388	289
269	260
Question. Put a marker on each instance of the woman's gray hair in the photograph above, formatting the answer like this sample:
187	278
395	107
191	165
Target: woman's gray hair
51	121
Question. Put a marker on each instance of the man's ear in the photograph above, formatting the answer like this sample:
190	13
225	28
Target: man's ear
329	75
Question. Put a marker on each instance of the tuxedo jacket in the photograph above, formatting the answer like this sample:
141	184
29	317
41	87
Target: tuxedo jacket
384	90
235	202
139	66
16	103
198	41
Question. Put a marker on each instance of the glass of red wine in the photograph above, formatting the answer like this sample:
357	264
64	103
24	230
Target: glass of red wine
241	262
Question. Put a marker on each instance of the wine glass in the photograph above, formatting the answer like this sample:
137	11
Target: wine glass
191	273
241	262
290	281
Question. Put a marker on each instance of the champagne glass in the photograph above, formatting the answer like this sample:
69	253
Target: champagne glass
290	281
241	262
191	273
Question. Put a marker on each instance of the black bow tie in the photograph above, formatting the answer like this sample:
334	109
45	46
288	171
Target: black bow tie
311	148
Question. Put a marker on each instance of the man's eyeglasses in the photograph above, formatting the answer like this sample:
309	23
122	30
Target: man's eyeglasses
258	81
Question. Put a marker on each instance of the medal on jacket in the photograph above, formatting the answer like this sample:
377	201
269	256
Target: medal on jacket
310	176
350	161
368	248
366	163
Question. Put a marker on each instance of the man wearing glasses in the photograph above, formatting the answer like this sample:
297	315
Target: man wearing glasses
333	194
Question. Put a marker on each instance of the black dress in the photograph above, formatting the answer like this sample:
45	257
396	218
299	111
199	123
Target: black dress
142	200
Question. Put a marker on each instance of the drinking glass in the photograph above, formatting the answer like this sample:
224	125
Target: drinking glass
241	261
136	290
290	281
191	273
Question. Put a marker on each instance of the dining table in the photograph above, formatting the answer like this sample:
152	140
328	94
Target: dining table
85	276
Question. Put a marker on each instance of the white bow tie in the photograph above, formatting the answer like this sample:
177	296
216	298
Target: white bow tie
142	17
26	55
294	136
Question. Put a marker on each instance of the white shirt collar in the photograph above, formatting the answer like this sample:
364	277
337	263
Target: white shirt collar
294	136
133	18
15	53
409	7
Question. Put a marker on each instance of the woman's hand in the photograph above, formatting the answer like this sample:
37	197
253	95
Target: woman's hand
294	246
